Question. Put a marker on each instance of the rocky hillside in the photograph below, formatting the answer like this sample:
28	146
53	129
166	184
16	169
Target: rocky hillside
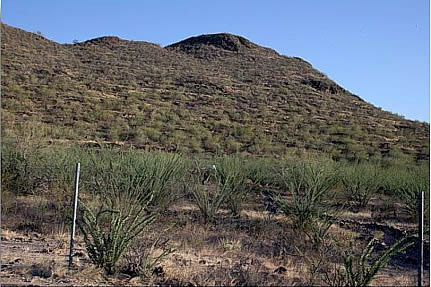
216	93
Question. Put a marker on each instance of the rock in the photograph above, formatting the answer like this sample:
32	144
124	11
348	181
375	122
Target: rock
158	271
248	261
79	254
135	280
17	260
41	271
202	261
280	270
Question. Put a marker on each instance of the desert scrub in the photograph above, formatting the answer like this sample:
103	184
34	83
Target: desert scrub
204	192
231	176
109	228
262	171
361	182
360	270
409	187
214	183
126	195
150	173
32	170
144	256
310	184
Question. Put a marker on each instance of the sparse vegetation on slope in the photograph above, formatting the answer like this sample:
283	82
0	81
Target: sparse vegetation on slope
213	93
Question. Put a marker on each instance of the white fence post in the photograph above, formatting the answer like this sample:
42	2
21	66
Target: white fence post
75	207
421	237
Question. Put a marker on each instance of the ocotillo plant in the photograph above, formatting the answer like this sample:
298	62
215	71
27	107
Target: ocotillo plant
361	182
310	185
231	176
361	271
121	208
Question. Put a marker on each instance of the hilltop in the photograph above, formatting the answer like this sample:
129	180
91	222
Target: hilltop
216	93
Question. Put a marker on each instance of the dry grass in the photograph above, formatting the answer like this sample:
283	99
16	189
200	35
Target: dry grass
252	249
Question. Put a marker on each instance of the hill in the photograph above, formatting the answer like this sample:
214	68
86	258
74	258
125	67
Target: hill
217	93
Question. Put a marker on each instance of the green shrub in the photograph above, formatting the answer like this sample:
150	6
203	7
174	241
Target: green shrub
129	190
141	259
360	271
27	170
231	176
361	182
211	186
415	181
109	228
150	173
207	195
262	171
310	184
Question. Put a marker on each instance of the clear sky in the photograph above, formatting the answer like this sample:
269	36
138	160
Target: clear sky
377	49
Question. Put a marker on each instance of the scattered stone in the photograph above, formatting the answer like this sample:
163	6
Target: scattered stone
248	261
79	254
41	271
135	280
158	271
17	260
280	270
202	261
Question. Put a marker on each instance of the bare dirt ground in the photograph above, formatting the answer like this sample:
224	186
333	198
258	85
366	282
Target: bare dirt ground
251	249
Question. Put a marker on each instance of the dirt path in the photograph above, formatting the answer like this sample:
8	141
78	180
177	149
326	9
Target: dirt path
30	259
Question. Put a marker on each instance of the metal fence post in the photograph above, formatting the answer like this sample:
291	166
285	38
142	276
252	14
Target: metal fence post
75	207
421	237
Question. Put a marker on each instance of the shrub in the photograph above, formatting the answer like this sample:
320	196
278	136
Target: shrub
127	190
141	259
109	229
231	176
262	171
411	184
212	186
318	230
361	182
310	184
150	173
205	194
360	271
27	170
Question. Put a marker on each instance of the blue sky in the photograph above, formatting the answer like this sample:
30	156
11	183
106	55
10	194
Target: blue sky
378	50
